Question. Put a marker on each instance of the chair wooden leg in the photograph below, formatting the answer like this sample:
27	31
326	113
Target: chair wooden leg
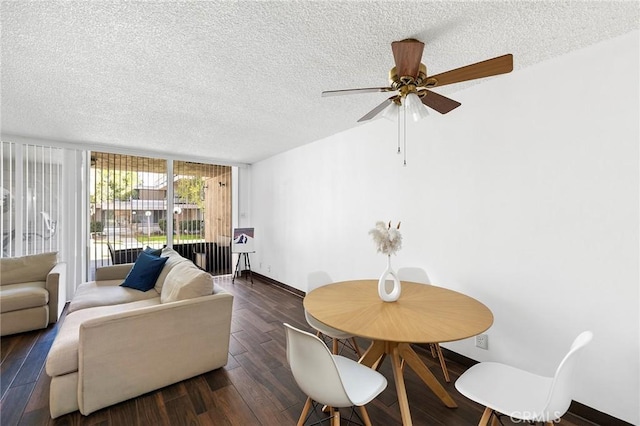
442	363
365	416
484	420
356	347
305	411
432	346
335	417
335	346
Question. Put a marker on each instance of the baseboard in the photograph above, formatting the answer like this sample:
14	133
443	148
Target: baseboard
576	408
271	281
595	416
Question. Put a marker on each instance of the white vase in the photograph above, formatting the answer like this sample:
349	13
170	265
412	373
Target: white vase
389	284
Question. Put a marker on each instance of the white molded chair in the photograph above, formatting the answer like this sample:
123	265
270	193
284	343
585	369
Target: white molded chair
519	394
319	279
419	275
328	379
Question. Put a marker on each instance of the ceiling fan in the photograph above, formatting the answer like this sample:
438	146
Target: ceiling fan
409	77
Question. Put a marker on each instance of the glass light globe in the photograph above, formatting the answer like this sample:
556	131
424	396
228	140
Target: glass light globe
414	107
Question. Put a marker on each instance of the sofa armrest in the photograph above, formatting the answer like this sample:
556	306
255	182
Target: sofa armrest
127	354
56	280
113	272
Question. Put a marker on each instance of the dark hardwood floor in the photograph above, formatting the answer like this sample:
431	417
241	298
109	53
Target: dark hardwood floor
254	388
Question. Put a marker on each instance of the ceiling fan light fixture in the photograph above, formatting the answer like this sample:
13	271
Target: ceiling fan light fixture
414	107
390	112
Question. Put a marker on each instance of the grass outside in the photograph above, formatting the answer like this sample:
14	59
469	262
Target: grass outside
144	239
163	238
99	245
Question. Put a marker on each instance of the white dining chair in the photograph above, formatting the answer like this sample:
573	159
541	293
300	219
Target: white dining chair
318	279
328	379
419	275
519	394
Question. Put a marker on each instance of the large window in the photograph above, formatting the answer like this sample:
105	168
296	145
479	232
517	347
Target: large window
127	204
202	214
134	204
31	181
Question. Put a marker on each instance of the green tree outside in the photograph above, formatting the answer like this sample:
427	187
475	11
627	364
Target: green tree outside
191	190
113	185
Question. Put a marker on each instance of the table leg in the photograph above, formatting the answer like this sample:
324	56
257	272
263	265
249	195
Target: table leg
373	354
416	364
401	390
376	365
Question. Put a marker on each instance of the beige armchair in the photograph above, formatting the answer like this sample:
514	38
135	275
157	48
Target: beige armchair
30	292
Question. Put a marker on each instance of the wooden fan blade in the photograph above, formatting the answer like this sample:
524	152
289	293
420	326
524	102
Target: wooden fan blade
354	91
377	110
500	65
407	54
440	103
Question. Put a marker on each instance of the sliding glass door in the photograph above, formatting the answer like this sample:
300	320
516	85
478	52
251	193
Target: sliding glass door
138	202
202	214
127	202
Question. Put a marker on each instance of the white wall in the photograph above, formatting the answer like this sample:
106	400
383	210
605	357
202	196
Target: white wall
526	198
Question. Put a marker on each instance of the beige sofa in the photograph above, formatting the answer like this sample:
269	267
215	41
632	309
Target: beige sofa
29	292
116	343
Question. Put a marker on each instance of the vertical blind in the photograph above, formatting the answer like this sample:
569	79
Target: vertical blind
31	181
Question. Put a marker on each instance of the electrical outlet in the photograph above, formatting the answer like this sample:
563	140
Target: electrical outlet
269	268
482	341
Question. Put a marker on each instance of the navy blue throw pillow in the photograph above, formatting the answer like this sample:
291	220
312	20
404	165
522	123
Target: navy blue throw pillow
152	251
145	272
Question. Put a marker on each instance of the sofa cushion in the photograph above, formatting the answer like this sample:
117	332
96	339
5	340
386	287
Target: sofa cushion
14	297
63	355
173	258
105	293
34	267
24	320
145	272
186	281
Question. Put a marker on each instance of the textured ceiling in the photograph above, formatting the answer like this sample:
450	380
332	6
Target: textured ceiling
241	80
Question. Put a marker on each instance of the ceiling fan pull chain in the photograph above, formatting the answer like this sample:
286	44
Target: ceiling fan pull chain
404	148
399	129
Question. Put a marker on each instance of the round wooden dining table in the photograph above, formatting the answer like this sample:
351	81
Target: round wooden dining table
423	314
